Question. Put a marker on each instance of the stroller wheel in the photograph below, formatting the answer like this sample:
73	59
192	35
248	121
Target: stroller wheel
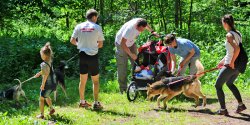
132	91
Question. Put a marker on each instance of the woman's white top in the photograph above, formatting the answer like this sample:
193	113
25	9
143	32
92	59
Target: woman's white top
229	47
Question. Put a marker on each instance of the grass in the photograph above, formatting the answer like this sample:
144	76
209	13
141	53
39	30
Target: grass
117	109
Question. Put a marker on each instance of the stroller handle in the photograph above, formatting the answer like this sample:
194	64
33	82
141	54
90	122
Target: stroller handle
161	37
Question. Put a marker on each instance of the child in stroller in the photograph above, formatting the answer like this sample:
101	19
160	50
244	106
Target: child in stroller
153	62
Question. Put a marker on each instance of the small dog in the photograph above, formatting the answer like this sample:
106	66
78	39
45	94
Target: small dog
190	87
59	72
14	93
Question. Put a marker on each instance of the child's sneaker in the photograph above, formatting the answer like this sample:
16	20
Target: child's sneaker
85	105
222	112
40	116
52	111
97	106
241	108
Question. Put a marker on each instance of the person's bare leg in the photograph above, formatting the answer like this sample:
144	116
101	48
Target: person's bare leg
95	81
41	105
51	109
82	84
48	100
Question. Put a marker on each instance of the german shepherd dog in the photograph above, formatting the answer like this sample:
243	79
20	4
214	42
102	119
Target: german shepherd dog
13	93
60	74
190	86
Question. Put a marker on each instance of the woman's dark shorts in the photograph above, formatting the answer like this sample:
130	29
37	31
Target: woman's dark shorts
89	64
45	93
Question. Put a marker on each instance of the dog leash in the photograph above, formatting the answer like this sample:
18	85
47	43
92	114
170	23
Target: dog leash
179	80
208	71
195	75
25	80
28	79
72	58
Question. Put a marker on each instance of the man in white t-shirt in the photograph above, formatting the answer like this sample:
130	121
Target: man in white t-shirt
126	47
90	38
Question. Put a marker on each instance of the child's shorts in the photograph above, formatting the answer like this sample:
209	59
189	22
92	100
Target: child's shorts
45	93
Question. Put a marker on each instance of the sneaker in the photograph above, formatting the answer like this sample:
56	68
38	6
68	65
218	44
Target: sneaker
241	108
222	112
97	106
85	105
52	111
40	116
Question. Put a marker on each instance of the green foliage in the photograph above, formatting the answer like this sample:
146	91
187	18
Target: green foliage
27	25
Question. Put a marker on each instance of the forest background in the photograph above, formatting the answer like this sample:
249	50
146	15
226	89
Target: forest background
26	25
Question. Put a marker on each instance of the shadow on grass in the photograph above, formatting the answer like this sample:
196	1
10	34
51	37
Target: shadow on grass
114	113
182	98
172	109
204	111
245	117
59	118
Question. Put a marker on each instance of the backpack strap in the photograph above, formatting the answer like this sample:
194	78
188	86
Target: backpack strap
239	39
51	73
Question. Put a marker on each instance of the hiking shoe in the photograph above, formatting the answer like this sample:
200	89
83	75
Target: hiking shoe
241	108
85	105
40	116
52	111
97	106
222	112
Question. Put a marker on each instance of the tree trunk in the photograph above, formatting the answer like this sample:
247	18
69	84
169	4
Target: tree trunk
177	14
67	19
190	19
151	18
101	13
95	4
180	17
162	16
111	10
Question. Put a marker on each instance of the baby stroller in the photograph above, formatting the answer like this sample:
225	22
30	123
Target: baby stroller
153	62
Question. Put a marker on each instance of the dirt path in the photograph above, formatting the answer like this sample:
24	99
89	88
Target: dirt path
206	114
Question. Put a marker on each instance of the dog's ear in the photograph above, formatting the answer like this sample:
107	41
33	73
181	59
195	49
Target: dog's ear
17	88
148	85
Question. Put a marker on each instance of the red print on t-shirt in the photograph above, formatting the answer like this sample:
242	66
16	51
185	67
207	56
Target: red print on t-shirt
86	29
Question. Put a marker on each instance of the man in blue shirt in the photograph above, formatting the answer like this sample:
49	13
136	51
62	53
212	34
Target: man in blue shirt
188	51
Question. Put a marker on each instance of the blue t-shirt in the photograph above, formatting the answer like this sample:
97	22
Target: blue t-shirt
184	46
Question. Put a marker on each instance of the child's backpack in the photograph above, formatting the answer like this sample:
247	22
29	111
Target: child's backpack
51	83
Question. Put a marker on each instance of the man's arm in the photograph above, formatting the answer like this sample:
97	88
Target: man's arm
189	56
73	41
126	49
173	57
148	27
100	44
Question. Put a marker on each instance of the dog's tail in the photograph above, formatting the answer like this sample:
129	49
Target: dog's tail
20	83
200	68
